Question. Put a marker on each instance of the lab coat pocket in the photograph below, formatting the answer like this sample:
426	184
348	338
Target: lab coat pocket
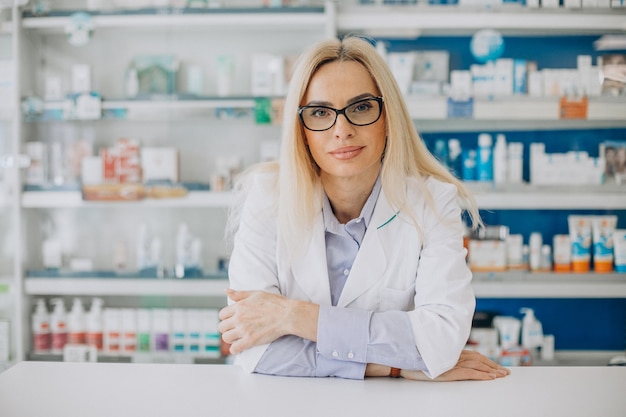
394	299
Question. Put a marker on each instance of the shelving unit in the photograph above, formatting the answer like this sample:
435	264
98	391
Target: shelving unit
192	124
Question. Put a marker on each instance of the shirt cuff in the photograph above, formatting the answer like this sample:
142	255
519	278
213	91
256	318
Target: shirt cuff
343	336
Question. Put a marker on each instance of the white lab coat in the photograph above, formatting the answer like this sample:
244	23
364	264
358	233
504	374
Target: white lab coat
395	269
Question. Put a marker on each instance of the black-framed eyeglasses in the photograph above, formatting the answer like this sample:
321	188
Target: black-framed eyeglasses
360	113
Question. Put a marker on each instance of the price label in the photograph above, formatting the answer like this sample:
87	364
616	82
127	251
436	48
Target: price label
573	108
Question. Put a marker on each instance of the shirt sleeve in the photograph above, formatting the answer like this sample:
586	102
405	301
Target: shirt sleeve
348	339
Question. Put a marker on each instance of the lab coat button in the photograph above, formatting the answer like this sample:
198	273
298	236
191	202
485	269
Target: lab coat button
346	272
335	354
350	355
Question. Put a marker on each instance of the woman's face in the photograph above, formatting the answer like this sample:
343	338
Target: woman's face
345	150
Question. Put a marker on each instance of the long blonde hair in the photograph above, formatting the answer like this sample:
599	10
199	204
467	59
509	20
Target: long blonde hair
406	156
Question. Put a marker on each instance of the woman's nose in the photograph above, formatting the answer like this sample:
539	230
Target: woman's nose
343	128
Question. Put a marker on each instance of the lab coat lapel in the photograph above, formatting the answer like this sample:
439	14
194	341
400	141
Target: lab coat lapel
371	261
310	270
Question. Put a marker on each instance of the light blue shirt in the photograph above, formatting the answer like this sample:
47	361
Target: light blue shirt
348	339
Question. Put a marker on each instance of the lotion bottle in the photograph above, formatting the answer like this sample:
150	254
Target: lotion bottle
94	318
532	330
41	328
76	323
58	326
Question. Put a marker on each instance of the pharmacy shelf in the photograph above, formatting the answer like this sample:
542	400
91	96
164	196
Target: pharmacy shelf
137	357
602	111
165	108
511	197
486	285
220	19
126	287
73	199
421	19
549	285
532	197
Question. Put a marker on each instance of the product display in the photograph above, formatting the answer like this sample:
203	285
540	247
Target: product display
137	149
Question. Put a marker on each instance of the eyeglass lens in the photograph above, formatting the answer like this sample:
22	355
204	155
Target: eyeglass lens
360	113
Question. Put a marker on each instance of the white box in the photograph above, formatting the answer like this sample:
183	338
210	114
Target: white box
460	84
487	255
432	65
160	164
81	78
535	84
514	244
503	77
572	4
589	3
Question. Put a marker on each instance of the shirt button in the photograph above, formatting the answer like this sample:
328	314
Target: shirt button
346	272
335	354
350	355
358	221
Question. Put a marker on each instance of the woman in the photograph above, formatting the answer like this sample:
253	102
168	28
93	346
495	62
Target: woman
348	258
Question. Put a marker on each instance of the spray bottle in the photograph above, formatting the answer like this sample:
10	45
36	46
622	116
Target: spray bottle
41	328
58	325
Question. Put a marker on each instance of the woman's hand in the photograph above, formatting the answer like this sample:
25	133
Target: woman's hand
259	317
470	366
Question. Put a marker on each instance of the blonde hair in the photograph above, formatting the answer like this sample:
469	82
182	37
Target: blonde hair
406	156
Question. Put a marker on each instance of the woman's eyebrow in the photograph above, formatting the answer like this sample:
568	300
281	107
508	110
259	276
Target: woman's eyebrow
350	101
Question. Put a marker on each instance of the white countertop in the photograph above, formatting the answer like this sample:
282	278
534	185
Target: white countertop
51	389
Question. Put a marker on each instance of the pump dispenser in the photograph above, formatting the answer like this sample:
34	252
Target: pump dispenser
532	331
41	328
76	323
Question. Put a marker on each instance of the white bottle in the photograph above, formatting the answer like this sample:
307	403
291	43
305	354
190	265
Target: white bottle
515	163
532	330
484	165
76	323
536	241
58	326
41	328
94	324
500	160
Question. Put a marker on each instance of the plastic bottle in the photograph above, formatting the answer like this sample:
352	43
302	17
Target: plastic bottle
93	324
76	323
455	161
469	165
41	328
532	330
500	160
535	243
58	326
546	258
484	165
515	163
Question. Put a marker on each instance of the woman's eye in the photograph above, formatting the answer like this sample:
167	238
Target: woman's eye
361	107
319	112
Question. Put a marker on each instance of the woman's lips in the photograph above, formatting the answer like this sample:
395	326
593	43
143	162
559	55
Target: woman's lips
347	153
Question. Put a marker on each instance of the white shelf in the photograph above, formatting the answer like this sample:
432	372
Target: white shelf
549	285
529	197
413	21
126	287
216	20
486	285
73	199
602	110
